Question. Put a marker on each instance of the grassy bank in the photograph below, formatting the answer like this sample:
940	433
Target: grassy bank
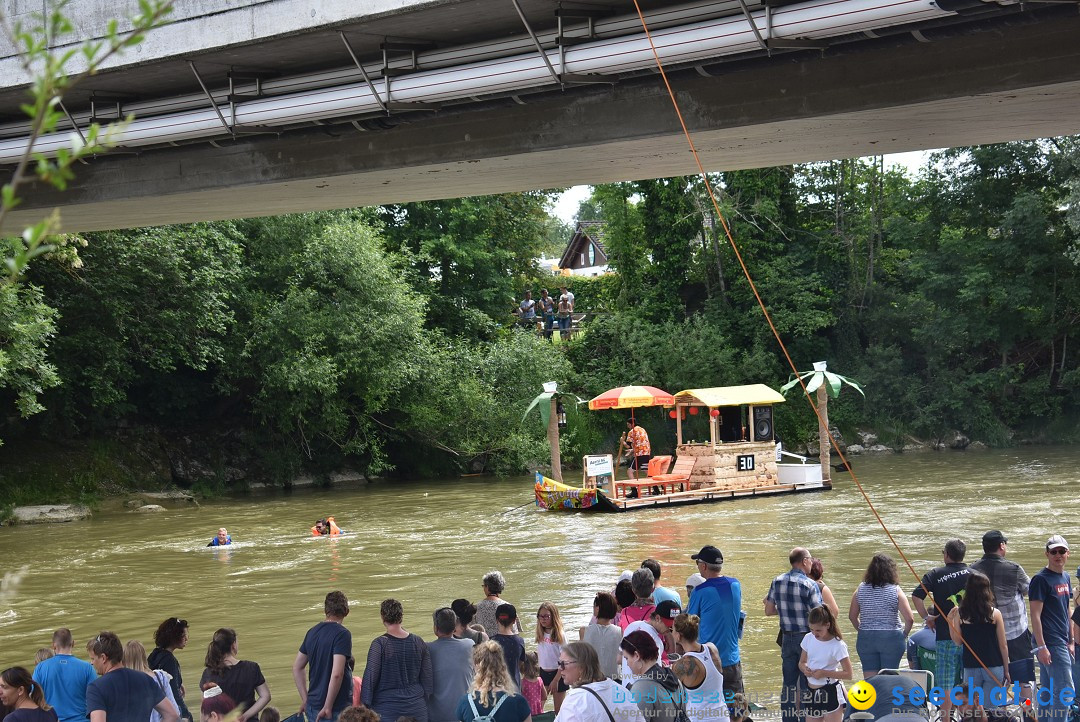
40	472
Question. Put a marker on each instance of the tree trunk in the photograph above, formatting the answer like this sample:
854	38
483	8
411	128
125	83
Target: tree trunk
823	433
553	440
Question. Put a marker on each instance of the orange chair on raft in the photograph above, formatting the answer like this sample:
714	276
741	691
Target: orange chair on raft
664	483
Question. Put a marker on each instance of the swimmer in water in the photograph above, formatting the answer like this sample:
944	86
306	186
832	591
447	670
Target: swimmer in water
222	538
325	527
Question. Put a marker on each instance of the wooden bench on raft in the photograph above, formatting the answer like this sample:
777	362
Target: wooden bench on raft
677	480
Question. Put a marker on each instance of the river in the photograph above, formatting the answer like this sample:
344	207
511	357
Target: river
427	543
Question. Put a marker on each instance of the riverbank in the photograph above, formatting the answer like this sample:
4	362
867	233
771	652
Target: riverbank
143	464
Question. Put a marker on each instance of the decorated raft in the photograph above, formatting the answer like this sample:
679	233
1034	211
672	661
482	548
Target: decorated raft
740	459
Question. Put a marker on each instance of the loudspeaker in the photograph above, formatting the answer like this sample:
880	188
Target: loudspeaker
763	426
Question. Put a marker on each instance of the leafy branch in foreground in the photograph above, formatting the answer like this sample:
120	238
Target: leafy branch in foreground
47	68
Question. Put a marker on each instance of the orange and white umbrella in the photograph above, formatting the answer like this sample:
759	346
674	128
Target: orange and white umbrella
629	397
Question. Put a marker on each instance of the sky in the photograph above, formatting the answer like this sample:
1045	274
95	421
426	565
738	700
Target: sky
566	205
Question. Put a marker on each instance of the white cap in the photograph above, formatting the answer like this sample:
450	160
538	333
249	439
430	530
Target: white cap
693	580
1056	541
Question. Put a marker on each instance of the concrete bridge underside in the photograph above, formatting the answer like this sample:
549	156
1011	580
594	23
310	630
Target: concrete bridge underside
985	84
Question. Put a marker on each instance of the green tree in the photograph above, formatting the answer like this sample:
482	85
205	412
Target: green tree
147	311
670	223
24	368
468	256
333	334
27	324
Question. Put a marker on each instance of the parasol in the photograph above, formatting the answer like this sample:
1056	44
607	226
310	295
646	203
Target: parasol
630	397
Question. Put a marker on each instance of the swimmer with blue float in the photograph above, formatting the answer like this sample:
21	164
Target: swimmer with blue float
222	538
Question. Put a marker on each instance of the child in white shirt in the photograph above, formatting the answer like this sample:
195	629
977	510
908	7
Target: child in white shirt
825	661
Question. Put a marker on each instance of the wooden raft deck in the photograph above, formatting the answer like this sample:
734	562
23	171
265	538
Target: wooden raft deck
711	494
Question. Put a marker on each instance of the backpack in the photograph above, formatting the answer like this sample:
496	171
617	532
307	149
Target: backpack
490	716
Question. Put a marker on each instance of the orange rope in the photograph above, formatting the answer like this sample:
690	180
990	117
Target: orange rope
772	326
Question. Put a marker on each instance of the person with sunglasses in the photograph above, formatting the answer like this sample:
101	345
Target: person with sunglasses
592	696
1049	593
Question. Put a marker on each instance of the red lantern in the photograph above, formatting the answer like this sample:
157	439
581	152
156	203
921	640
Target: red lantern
672	414
693	411
714	413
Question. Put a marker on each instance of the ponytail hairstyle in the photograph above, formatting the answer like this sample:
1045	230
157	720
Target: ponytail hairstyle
687	625
220	647
823	615
16	677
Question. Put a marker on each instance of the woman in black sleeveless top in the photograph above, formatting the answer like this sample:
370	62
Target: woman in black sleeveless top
976	625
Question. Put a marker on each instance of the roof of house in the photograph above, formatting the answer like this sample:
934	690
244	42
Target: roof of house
593	230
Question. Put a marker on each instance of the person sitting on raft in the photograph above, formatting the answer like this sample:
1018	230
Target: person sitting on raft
326	527
222	538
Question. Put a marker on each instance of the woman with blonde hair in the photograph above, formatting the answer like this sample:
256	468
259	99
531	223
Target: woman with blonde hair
492	692
135	658
549	641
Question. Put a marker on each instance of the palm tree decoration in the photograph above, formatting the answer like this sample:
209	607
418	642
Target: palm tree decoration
548	403
826	384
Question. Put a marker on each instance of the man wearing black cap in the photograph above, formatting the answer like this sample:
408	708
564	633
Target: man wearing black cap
718	602
1010	583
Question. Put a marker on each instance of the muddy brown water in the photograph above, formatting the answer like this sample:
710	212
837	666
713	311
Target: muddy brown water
427	543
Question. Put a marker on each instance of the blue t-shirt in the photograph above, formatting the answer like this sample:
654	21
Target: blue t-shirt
718	601
215	542
514	652
1054	591
321	643
125	695
514	709
660	594
64	680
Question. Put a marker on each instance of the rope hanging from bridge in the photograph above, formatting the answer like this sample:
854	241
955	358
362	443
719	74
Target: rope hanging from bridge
776	333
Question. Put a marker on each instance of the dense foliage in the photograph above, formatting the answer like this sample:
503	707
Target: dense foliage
382	338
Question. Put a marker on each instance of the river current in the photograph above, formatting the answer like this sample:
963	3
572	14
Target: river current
426	543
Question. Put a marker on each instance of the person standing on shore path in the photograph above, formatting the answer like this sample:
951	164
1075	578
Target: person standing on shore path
171	635
718	603
791	597
660	593
325	650
451	667
1010	584
946	585
1050	593
65	678
493	583
880	614
120	694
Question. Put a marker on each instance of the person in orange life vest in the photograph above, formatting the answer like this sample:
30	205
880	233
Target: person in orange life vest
326	527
